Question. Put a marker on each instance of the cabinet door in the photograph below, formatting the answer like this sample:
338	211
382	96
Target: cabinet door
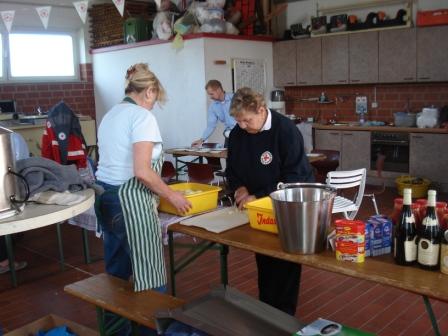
326	139
285	67
432	58
335	59
33	138
355	152
397	55
309	61
363	57
428	157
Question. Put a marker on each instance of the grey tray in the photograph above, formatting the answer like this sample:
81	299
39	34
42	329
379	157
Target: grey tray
226	311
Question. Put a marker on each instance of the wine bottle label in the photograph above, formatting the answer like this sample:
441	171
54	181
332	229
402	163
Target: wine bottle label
428	253
429	221
444	259
410	250
410	219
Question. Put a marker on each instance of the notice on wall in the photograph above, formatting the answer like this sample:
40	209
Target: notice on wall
249	73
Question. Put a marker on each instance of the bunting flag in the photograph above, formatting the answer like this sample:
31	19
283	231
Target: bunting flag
44	14
81	8
8	18
120	6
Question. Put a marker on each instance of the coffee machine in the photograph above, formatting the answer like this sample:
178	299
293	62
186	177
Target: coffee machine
10	205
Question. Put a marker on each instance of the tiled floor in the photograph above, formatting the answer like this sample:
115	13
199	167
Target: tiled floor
362	304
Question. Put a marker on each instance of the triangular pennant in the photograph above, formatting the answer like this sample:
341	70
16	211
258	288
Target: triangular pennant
81	8
120	6
8	18
44	14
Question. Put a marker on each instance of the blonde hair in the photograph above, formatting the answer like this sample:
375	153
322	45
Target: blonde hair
246	100
139	78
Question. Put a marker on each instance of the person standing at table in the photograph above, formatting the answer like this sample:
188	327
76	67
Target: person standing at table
266	148
217	111
131	157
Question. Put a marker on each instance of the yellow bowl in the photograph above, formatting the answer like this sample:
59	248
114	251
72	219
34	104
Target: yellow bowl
204	198
261	215
419	190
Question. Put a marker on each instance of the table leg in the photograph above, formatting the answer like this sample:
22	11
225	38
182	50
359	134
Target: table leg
12	265
100	321
223	252
60	245
176	163
430	312
172	270
85	246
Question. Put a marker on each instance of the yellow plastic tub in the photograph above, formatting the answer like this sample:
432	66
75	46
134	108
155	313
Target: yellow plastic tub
203	198
419	186
261	215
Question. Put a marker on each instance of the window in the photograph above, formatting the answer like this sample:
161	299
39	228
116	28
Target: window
41	56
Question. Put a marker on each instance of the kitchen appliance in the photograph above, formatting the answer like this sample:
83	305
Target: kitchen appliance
7	106
277	101
395	147
9	188
404	119
428	118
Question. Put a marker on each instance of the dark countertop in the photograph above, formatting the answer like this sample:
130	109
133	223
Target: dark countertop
380	128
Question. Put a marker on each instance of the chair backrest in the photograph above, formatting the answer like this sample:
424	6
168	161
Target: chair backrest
347	180
200	172
168	171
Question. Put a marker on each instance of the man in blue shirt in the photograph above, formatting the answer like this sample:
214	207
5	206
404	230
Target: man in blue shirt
217	111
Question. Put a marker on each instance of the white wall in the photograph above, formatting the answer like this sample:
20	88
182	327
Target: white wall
184	74
181	119
224	49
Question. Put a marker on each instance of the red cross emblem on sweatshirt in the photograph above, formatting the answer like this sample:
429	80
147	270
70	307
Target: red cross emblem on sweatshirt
266	158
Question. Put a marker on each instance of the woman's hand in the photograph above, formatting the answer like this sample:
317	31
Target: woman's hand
242	196
178	200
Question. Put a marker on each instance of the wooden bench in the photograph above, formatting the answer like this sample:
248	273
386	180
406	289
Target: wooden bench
109	293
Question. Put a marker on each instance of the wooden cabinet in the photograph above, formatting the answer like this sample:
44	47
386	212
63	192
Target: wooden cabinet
432	58
354	147
397	56
428	157
335	59
363	57
309	61
284	63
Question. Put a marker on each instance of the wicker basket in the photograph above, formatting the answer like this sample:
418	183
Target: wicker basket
419	186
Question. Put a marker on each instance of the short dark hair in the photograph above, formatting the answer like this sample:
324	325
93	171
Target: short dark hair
214	84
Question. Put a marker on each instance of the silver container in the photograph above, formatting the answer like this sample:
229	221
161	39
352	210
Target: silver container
8	182
303	215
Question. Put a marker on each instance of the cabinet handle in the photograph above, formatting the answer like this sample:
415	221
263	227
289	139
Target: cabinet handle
354	80
333	133
417	137
424	78
302	82
290	83
348	133
408	78
342	81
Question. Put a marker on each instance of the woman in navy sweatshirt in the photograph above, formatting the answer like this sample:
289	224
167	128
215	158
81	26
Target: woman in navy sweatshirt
266	148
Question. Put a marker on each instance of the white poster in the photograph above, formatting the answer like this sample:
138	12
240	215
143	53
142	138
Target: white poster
8	18
120	5
81	8
44	14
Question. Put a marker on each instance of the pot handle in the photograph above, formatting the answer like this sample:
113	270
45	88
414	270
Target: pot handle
25	183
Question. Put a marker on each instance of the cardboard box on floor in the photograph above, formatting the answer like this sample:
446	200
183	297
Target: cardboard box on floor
49	322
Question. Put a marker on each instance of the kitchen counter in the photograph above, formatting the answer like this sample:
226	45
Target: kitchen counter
380	128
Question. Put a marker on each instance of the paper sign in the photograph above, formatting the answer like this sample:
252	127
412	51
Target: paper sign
120	5
44	14
8	18
81	8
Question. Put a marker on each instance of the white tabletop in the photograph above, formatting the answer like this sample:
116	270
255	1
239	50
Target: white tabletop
39	215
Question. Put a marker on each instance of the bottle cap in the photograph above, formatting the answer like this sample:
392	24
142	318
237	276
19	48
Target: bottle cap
432	192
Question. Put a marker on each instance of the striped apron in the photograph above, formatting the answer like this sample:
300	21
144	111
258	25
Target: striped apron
140	214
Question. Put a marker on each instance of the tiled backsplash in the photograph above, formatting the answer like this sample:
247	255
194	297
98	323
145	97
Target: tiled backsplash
390	98
77	95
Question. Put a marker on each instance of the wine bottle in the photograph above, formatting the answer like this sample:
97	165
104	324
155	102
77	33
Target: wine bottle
429	236
405	238
444	253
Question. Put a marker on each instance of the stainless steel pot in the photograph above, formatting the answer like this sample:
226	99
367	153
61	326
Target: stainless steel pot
9	188
277	95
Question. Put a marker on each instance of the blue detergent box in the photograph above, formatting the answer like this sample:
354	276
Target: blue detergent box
379	228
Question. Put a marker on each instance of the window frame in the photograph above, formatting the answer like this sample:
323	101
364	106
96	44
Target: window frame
7	77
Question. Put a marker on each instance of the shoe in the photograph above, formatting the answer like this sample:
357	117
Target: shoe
18	266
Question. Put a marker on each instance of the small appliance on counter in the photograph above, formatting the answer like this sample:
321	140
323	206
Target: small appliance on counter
9	188
277	101
428	118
